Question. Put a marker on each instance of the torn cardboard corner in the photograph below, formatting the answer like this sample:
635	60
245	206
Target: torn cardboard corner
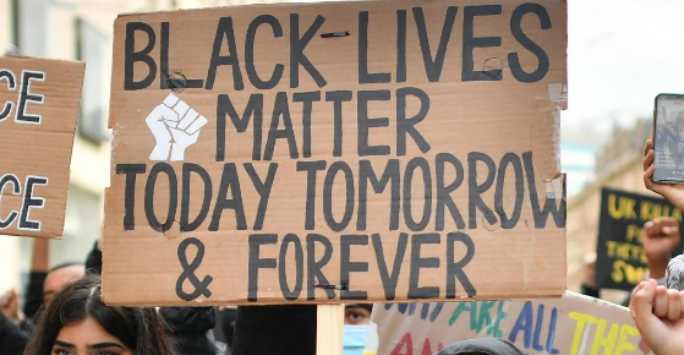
558	93
390	165
556	187
40	102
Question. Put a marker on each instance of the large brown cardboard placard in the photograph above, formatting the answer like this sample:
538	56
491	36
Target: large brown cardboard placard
319	153
571	325
39	103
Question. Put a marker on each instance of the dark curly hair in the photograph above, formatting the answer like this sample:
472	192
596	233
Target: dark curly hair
140	329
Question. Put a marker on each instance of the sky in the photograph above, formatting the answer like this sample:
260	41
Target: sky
621	54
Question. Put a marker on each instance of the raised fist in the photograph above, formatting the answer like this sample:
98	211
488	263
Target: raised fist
658	314
175	126
660	238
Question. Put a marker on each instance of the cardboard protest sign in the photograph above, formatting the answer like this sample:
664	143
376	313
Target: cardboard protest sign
319	153
620	257
572	325
39	102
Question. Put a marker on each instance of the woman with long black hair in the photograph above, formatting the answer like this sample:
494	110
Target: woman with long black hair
77	322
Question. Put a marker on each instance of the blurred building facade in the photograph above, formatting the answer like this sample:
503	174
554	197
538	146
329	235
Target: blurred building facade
617	165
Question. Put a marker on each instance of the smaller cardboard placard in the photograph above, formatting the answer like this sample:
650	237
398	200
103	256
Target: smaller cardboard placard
39	102
620	256
570	325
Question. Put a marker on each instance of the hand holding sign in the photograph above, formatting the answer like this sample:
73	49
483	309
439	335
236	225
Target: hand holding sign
175	126
9	305
658	315
672	192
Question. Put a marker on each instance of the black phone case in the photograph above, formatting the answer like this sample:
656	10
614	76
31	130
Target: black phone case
668	138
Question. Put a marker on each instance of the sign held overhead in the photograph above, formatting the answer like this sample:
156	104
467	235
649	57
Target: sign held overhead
39	103
318	153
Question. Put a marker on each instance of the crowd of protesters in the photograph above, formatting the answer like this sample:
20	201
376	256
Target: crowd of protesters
658	311
63	312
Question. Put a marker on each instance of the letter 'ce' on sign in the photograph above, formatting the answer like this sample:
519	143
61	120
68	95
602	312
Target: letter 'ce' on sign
39	102
321	153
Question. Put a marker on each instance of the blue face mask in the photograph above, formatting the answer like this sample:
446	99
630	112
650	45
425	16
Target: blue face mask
355	338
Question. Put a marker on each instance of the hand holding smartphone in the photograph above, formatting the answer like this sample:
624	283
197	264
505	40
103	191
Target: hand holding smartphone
668	139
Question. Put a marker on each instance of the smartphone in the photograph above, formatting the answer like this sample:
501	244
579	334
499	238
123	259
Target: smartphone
668	138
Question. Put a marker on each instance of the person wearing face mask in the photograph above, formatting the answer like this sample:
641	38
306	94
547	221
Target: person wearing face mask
360	334
77	322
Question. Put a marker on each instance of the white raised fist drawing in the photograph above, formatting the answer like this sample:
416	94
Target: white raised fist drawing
175	126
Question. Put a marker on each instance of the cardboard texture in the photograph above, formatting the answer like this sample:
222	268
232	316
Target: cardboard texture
321	153
572	325
620	257
39	103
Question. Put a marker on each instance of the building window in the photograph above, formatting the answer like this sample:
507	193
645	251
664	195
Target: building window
83	226
91	47
14	18
32	27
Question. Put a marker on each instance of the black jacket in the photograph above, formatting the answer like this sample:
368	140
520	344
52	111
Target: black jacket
275	330
34	293
191	329
12	339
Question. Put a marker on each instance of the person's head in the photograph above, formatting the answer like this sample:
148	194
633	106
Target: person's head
59	277
481	346
77	322
357	314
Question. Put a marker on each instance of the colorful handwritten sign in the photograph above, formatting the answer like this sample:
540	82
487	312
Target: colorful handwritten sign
571	325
